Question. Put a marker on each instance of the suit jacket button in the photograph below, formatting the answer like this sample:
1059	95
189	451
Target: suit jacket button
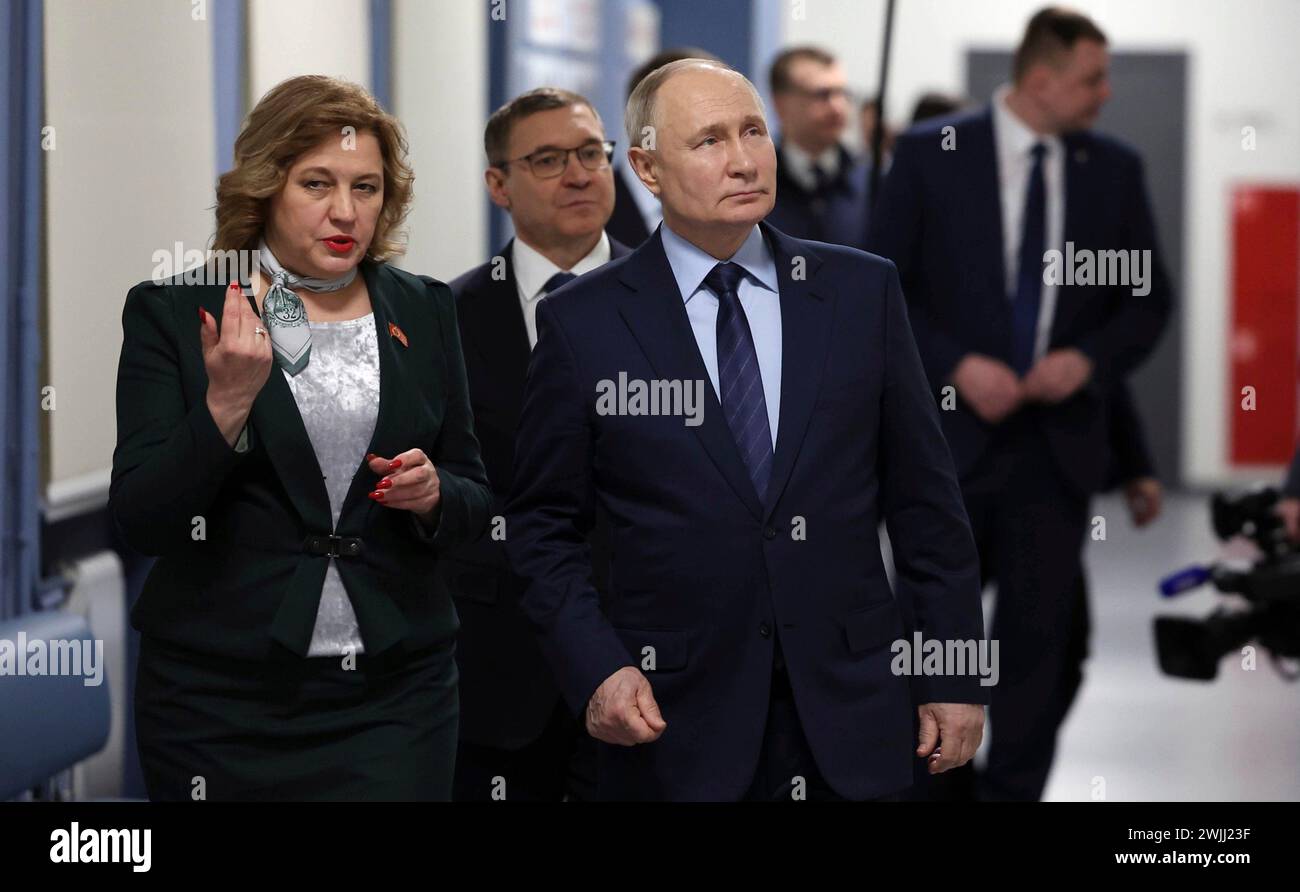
769	533
765	630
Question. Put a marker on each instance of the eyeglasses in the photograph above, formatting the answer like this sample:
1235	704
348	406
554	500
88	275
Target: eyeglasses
547	164
825	94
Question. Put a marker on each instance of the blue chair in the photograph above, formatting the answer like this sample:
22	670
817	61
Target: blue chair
48	723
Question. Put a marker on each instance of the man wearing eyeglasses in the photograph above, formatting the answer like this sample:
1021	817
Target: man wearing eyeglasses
549	168
821	189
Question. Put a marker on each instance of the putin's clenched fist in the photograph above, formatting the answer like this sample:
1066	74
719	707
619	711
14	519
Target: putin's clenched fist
623	710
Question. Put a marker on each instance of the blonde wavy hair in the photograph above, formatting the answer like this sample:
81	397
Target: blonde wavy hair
293	118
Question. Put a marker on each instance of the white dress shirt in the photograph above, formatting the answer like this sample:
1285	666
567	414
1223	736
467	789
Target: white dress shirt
533	271
759	297
1014	140
799	164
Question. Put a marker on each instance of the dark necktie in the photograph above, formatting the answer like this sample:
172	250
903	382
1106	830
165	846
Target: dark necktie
557	280
821	179
1029	279
739	380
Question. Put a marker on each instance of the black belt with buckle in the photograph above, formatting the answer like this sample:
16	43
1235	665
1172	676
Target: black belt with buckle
332	546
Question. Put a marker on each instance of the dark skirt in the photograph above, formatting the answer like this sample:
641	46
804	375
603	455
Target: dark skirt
296	729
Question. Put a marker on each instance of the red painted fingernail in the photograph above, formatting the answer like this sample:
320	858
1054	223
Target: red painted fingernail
394	464
203	316
384	484
377	496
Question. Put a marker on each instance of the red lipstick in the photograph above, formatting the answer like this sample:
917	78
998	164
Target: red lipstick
339	244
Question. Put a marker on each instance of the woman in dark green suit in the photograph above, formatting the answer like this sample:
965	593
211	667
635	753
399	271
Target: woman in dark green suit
297	449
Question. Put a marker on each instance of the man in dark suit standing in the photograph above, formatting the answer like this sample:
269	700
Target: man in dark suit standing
980	211
549	167
747	407
1132	469
821	189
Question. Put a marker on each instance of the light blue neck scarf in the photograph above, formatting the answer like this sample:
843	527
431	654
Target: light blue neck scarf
283	312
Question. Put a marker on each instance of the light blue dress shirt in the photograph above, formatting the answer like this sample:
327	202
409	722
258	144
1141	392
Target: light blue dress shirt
759	297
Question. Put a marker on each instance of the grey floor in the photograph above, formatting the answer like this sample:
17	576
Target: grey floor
1137	735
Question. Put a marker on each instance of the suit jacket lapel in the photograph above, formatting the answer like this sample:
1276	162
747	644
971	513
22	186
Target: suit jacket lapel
617	249
805	340
504	338
1079	187
982	162
1079	194
656	314
499	331
275	420
396	369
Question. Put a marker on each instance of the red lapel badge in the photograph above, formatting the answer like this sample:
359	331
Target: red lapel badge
396	332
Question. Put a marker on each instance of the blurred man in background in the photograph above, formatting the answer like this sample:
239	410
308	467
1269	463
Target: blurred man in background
821	189
1027	366
1133	470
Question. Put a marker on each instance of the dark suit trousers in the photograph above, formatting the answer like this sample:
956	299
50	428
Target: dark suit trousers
559	765
785	757
1029	526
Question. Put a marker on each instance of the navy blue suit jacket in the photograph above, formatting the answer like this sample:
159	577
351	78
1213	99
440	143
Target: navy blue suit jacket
507	694
701	570
939	219
838	216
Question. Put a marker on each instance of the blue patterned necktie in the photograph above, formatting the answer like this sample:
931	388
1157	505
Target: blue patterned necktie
555	281
739	380
1029	278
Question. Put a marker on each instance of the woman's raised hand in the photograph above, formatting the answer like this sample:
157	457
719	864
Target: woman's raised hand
238	361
